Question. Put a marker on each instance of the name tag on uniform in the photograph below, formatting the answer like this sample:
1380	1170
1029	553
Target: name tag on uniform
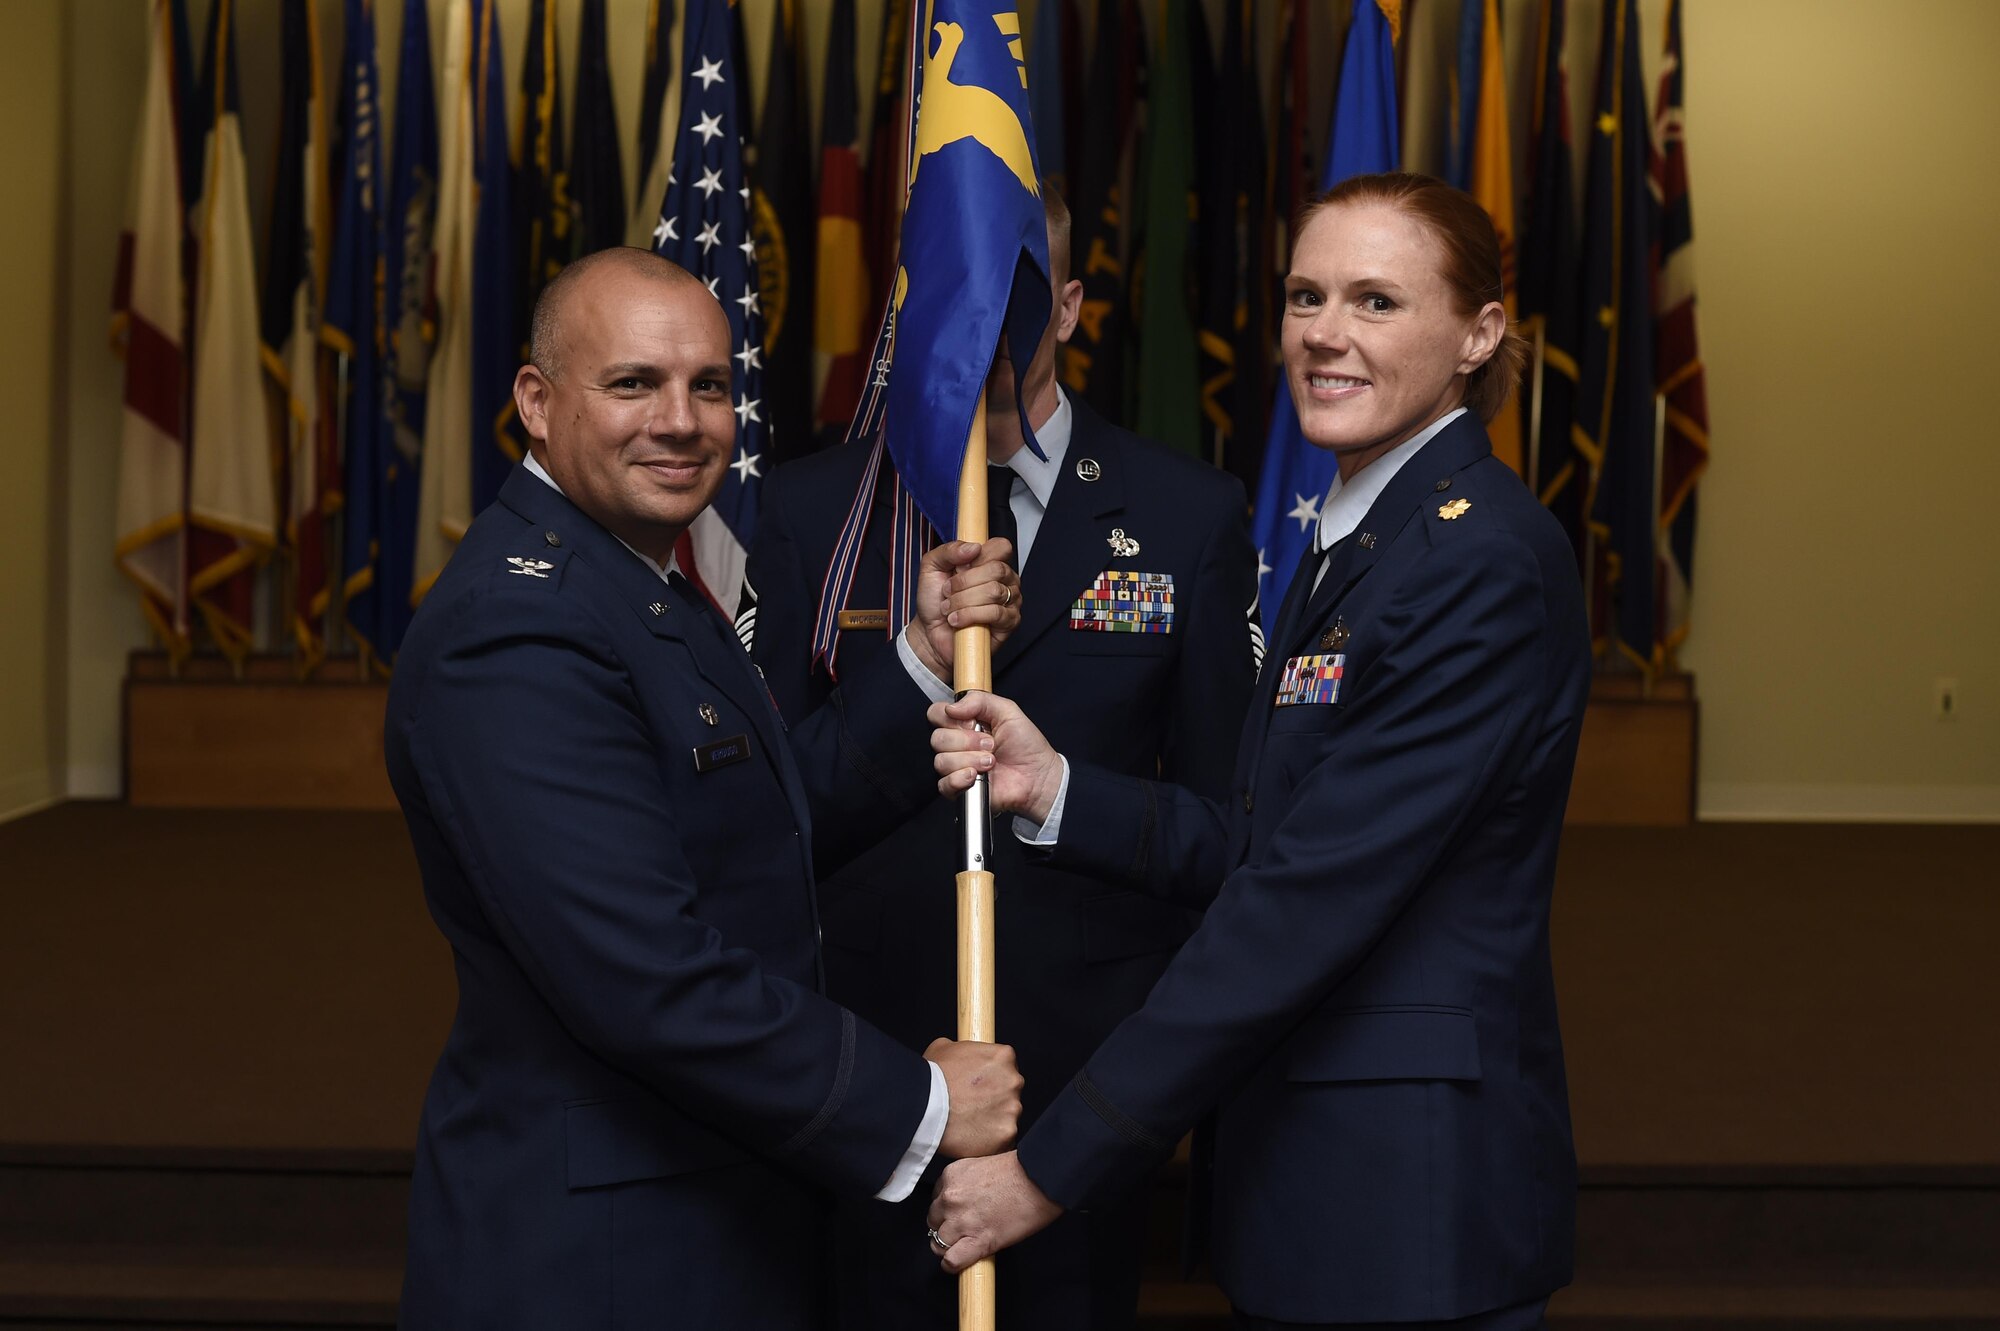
721	753
863	619
1311	681
1123	601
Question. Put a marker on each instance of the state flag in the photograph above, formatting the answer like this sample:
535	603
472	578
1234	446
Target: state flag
1614	424
149	327
295	277
779	163
379	613
1093	363
356	329
1549	296
841	310
232	485
1681	382
1168	403
659	113
445	494
597	168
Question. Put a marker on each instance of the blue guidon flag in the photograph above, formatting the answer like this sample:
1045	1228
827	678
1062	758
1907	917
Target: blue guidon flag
973	262
704	226
972	266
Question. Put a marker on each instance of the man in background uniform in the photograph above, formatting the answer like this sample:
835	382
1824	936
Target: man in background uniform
1137	578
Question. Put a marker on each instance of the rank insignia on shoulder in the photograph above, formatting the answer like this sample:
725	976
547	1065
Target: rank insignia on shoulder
1122	546
1456	508
1311	681
531	568
1334	638
1121	601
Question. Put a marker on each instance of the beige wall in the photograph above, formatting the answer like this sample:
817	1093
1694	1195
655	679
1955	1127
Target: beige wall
1845	205
1841	568
30	101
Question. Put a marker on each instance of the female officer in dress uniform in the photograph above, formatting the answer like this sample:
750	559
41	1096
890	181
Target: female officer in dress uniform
1367	1011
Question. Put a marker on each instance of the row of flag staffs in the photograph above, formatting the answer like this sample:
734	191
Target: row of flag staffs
397	279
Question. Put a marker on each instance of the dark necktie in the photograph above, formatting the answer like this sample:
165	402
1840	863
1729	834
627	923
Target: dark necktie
1000	508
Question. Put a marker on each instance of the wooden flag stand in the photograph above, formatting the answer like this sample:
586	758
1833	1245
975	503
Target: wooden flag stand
972	669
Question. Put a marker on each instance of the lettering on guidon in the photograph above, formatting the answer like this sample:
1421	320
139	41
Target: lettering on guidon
1311	681
1124	601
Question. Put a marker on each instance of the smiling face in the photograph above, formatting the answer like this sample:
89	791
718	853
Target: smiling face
1375	346
636	424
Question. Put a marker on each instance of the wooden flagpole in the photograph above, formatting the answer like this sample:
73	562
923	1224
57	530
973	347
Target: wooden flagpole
972	668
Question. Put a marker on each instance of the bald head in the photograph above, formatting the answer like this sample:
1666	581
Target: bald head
622	263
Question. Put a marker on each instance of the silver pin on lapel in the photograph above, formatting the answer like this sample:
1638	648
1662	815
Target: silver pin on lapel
1087	469
531	568
707	712
1123	546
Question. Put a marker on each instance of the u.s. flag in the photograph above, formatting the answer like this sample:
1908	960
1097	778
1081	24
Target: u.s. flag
704	227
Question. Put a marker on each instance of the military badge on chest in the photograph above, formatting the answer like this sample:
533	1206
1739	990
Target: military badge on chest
1122	601
1311	681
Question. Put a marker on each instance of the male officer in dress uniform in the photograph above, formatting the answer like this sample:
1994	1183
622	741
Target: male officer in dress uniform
1137	574
645	1091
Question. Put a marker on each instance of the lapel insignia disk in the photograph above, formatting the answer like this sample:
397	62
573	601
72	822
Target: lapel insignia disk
553	539
531	568
1126	602
1123	546
707	712
1334	638
1453	509
1087	469
1311	681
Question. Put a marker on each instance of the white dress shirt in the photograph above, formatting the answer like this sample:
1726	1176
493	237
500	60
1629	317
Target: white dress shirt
1030	498
930	1129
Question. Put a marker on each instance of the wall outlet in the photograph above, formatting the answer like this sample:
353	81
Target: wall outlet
1944	704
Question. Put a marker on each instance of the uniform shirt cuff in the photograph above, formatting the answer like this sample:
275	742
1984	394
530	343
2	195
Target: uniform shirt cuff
920	674
930	1132
1047	832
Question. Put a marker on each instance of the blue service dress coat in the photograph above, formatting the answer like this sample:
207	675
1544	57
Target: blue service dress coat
645	1097
1368	1006
1075	955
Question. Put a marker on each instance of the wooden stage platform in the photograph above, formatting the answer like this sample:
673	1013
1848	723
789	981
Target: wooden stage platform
217	1028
